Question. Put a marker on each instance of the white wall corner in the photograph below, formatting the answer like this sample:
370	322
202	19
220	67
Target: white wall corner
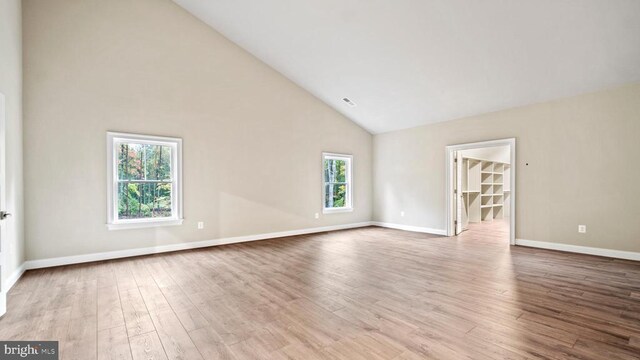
618	254
410	228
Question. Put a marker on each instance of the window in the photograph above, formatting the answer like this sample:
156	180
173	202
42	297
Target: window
337	183
144	181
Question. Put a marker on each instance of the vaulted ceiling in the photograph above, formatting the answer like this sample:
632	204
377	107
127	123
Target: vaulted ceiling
406	63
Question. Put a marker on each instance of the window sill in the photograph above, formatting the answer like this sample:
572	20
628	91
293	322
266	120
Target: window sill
144	224
337	210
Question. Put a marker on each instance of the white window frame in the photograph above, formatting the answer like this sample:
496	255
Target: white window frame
349	181
113	223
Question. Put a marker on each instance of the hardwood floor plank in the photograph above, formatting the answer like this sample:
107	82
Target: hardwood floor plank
368	345
176	342
136	316
53	325
366	293
106	275
81	340
147	347
210	344
192	319
124	277
154	298
109	308
600	350
113	344
85	300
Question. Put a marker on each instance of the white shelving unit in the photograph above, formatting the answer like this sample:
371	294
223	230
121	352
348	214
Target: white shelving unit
471	191
506	189
485	190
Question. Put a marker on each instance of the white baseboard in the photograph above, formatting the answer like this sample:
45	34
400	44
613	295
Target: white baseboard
13	278
410	228
77	259
618	254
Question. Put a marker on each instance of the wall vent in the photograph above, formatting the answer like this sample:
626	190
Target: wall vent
349	102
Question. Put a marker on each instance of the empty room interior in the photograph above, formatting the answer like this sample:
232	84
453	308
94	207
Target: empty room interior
216	179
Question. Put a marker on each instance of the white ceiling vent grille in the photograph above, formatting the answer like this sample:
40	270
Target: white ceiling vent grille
349	102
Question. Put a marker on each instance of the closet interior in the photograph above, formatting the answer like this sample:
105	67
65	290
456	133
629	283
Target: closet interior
485	190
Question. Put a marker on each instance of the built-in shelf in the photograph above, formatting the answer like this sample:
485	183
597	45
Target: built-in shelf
491	201
491	177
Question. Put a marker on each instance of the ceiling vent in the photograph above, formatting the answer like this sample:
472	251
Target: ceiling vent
349	102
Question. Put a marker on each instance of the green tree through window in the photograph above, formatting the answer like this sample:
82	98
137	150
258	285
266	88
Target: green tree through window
144	180
336	173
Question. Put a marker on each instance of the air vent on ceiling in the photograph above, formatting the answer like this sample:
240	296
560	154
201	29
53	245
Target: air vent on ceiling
349	102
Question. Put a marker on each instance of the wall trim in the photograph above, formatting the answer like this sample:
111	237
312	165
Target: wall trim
15	276
618	254
77	259
410	228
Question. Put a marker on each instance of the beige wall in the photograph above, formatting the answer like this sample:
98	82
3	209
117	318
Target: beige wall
582	154
11	87
252	139
494	153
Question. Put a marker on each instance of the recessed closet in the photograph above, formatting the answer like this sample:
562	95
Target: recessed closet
485	185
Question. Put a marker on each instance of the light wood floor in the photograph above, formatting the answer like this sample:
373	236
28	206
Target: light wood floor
368	293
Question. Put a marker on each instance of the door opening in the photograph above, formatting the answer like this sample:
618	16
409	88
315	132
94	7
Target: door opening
481	189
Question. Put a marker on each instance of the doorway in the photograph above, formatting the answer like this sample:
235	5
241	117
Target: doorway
481	189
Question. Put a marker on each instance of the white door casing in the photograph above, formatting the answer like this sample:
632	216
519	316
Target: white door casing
458	191
3	236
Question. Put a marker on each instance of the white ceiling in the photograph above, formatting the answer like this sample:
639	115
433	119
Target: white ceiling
412	62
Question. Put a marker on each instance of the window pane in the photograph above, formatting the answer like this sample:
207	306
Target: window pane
335	170
144	200
143	162
158	162
129	164
335	196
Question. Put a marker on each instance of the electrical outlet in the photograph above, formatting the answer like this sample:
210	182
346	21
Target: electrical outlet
200	225
402	213
582	229
317	216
